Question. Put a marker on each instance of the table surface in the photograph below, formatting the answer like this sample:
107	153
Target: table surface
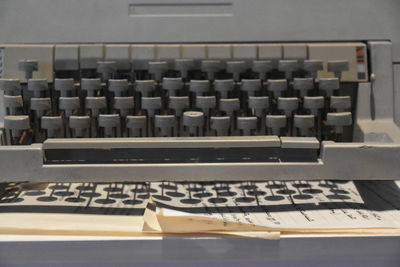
288	251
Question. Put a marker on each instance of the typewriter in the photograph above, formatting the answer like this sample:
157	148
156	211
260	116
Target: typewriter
234	90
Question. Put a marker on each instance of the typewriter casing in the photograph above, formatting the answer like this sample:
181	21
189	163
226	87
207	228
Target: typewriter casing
374	152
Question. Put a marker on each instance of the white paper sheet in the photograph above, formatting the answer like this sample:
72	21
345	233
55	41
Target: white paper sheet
74	208
286	205
113	207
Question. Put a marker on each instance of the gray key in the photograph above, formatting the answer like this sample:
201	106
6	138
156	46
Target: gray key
340	103
40	106
165	123
91	86
70	105
118	87
111	123
288	105
277	87
338	67
16	124
276	123
53	126
339	120
28	66
20	122
13	104
199	87
220	125
206	104
229	106
178	104
312	66
288	67
10	86
184	66
145	87
223	87
260	105
194	121
329	85
39	87
124	104
79	125
96	104
236	68
136	125
314	104
151	105
262	67
157	69
66	87
172	85
211	67
250	86
247	125
303	85
106	68
305	124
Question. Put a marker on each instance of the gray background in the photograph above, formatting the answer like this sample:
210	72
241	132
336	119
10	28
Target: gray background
50	21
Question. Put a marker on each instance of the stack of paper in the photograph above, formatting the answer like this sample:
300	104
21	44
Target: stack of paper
260	209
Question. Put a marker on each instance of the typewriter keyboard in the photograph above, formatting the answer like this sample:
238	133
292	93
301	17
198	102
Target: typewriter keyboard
181	97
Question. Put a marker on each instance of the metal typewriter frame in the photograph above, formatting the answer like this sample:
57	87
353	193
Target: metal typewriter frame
374	154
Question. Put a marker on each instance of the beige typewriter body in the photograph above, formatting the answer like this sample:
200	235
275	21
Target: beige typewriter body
199	90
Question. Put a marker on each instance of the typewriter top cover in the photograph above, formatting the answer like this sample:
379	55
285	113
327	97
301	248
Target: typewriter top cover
199	90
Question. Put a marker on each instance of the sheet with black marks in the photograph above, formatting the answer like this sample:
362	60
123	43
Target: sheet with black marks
292	205
304	205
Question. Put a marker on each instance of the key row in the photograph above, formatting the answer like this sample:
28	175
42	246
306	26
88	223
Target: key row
193	123
235	68
174	86
209	105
